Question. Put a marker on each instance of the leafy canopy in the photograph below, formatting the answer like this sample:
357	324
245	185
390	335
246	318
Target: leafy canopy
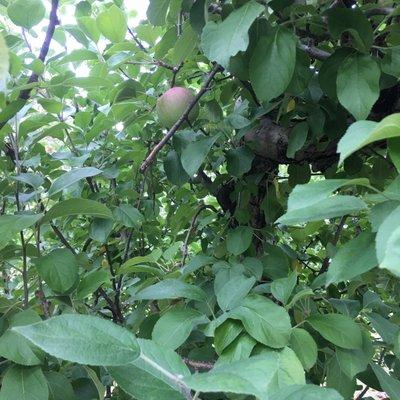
251	251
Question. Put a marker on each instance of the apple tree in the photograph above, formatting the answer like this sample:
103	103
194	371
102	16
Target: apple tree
204	204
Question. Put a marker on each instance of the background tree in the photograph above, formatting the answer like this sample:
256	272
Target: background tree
240	240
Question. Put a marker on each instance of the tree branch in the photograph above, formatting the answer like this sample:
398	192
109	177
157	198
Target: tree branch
314	52
379	11
205	365
53	21
153	154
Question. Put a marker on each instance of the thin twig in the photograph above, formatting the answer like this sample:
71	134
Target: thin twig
40	293
153	154
26	40
137	41
113	308
192	224
175	71
130	235
62	238
24	270
335	240
361	395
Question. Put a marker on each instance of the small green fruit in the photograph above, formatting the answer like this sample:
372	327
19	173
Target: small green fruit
173	103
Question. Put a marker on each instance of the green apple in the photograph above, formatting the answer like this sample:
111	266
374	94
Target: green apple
173	103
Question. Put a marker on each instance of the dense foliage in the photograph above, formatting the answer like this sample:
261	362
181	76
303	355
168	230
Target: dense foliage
250	252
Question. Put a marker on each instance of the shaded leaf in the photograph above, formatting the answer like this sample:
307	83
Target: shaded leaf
76	206
272	64
260	376
264	320
171	289
24	383
175	326
337	329
223	40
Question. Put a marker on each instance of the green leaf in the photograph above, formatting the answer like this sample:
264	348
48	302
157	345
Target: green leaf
272	64
338	380
264	320
332	207
348	307
144	381
352	20
100	229
396	349
24	383
276	262
389	384
174	170
171	289
185	45
352	259
88	83
308	195
60	387
112	24
260	376
352	362
329	69
12	224
306	392
362	133
226	333
297	139
234	291
83	339
358	84
128	216
175	326
312	201
282	288
240	349
71	177
4	58
59	269
394	151
76	206
387	243
303	344
91	282
157	11
337	329
387	330
390	63
221	41
195	153
89	26
195	263
15	347
26	13
79	55
239	161
239	239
